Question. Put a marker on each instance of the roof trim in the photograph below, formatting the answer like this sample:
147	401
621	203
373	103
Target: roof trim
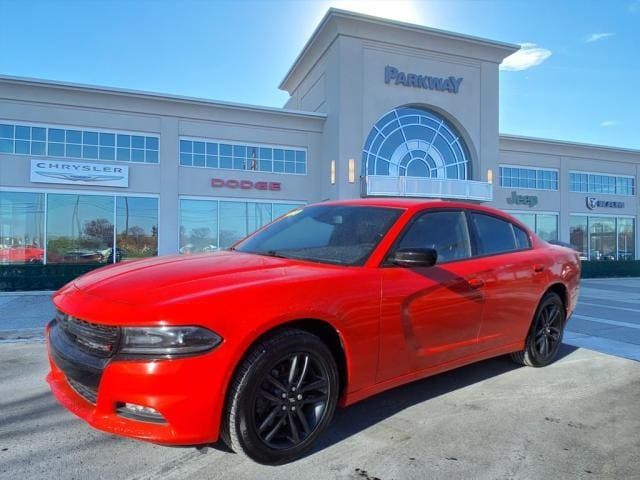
157	96
337	12
566	143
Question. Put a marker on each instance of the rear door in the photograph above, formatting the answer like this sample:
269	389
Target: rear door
513	277
430	315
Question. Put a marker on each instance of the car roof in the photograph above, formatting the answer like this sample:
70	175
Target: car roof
414	204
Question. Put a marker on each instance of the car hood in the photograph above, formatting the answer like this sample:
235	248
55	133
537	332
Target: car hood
178	278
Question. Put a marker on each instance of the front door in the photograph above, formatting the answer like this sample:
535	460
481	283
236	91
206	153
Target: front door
430	315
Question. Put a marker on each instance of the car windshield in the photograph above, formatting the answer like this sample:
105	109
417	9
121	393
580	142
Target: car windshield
338	234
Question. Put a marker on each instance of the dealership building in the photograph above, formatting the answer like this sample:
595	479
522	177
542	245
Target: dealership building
93	175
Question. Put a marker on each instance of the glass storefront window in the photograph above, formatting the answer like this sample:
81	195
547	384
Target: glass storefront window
234	222
79	228
136	228
547	226
21	227
198	226
578	235
603	238
626	239
206	225
544	224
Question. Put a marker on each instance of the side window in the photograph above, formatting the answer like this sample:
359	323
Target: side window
445	231
522	238
493	235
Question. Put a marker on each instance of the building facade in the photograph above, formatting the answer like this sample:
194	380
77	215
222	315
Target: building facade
377	108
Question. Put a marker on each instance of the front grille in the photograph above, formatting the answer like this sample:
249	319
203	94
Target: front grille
99	340
88	393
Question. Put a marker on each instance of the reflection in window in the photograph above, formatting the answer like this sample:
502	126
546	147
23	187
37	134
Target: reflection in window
79	228
136	228
198	226
21	227
626	239
262	158
415	142
578	235
545	225
82	144
445	232
520	177
206	225
603	238
594	183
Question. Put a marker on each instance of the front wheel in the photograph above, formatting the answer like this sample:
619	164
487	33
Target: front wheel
282	397
545	334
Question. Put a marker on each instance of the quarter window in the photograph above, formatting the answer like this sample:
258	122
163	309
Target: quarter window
522	239
493	235
446	232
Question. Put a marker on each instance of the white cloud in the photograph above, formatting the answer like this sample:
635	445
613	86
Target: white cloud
528	56
594	37
609	123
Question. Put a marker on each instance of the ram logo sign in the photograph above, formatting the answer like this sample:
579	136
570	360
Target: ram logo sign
73	173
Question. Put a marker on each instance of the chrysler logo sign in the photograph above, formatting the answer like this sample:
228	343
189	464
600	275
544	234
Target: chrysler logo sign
449	84
54	171
593	203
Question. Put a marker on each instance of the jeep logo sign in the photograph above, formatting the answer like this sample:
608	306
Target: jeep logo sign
246	184
528	200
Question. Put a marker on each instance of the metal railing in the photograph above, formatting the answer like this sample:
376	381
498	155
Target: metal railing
380	185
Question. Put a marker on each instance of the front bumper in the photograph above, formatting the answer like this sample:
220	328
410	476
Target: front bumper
188	392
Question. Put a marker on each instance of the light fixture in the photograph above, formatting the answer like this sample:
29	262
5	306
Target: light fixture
489	175
352	170
332	172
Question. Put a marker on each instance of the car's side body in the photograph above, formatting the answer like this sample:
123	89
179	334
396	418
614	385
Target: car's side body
391	325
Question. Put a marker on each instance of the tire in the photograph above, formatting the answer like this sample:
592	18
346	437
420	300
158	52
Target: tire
263	425
545	334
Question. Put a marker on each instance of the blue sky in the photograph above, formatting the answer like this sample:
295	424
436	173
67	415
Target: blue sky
579	78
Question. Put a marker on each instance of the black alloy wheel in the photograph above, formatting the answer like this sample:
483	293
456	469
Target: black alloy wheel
282	397
291	401
545	333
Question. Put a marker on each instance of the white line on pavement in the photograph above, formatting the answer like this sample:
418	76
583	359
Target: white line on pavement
607	321
626	309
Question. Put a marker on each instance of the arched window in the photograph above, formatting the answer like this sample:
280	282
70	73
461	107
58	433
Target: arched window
415	142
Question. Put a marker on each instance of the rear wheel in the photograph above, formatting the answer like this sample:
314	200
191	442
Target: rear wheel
282	398
545	334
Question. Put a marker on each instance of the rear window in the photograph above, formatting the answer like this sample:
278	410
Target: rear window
493	235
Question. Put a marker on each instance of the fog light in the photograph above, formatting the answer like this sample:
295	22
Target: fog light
139	412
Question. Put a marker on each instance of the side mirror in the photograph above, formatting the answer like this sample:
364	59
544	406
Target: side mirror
415	257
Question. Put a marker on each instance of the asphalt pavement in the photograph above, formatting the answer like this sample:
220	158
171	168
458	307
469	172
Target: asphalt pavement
577	418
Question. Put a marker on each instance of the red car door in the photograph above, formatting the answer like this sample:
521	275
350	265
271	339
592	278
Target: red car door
430	315
513	278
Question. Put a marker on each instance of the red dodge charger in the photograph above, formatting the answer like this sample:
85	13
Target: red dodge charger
328	305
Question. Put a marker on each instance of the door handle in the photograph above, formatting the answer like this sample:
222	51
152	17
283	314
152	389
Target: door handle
538	267
475	282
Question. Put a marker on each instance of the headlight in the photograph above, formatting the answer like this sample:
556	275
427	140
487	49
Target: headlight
163	341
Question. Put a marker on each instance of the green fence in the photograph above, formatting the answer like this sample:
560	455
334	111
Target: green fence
20	278
601	269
